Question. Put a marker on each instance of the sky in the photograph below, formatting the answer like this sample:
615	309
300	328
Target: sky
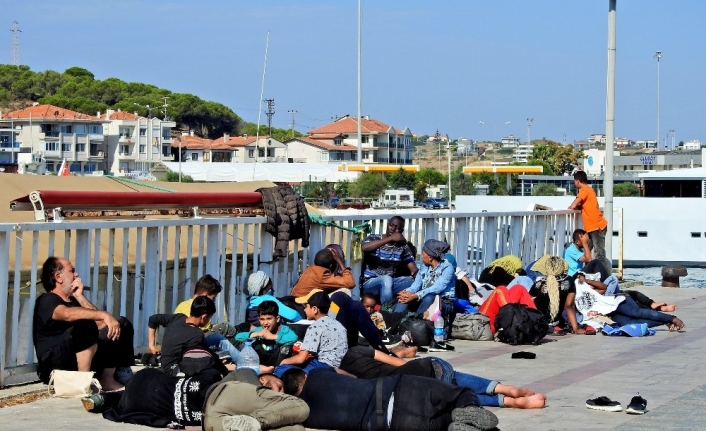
427	65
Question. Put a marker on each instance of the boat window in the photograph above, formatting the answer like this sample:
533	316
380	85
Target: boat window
696	234
642	234
616	233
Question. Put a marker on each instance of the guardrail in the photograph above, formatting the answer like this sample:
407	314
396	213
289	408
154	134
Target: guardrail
136	268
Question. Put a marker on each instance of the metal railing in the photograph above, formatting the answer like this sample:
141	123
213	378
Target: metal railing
140	267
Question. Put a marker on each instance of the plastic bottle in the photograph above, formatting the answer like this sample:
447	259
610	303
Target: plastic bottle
248	358
439	329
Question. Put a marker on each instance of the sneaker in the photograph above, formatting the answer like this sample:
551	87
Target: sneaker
637	406
441	346
460	426
605	404
240	423
475	416
92	402
556	330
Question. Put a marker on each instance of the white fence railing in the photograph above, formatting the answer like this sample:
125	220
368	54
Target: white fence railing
136	268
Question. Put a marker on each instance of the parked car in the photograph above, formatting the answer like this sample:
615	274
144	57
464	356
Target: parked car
435	203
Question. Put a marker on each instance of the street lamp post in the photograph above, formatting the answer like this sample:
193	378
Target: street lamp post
658	56
438	142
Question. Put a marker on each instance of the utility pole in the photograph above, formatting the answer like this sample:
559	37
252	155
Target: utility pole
15	43
438	142
291	128
529	128
164	108
658	56
270	112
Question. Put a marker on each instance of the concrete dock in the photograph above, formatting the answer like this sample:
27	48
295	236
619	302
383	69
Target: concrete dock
667	369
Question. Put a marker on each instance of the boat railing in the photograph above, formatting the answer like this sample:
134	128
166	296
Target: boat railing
138	267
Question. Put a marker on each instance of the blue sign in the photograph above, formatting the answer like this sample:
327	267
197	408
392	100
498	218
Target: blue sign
590	160
648	160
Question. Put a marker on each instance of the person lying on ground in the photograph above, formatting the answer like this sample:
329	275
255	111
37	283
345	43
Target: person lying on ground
323	275
382	258
578	257
156	399
366	363
70	333
551	291
183	333
501	271
621	309
271	335
394	403
242	401
260	290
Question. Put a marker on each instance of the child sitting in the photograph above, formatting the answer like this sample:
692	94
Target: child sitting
370	303
270	336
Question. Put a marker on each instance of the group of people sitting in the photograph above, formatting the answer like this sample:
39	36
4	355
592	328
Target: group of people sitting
325	360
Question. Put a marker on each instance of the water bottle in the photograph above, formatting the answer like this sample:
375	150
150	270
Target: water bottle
248	358
439	329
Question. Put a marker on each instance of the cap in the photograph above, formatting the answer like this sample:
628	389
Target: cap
304	299
317	299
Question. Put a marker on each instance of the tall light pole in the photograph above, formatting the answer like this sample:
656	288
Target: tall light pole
448	155
360	88
529	127
658	56
438	142
610	132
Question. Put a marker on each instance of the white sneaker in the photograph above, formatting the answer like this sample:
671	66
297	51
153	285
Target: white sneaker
240	423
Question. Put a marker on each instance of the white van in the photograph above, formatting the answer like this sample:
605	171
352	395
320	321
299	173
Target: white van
398	199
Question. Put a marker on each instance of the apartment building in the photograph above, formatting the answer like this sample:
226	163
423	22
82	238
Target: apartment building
510	141
307	150
55	134
380	143
237	149
134	143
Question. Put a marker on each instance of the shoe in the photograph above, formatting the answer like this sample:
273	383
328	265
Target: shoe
441	346
556	330
240	423
92	402
460	426
637	406
391	340
421	349
407	338
475	416
605	404
589	330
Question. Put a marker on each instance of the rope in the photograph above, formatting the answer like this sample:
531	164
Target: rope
357	229
137	183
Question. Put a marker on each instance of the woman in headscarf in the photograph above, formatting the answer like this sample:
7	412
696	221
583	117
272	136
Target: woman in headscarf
551	290
501	271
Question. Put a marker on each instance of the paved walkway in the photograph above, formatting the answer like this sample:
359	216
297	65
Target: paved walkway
667	369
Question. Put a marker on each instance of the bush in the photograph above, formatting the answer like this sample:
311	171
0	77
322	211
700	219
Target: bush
173	177
545	189
626	189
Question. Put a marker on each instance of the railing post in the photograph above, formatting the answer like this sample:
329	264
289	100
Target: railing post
429	231
460	248
82	261
4	279
266	252
151	280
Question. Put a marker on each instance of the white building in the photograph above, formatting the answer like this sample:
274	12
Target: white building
381	143
135	143
465	147
594	161
55	134
229	149
692	145
307	150
522	153
597	137
510	141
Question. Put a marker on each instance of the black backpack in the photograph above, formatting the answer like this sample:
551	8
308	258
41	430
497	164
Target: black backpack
518	324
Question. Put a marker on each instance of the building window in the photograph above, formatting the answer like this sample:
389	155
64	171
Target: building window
206	157
143	149
125	150
366	155
125	132
81	148
166	150
270	152
67	129
364	139
195	156
50	167
89	167
96	129
338	141
261	152
143	131
65	147
324	156
94	149
51	146
251	153
80	129
166	133
124	166
75	167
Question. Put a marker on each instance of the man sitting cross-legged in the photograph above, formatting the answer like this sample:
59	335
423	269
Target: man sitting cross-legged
366	363
70	333
394	403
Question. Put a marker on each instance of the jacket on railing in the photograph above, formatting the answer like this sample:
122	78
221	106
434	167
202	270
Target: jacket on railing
287	217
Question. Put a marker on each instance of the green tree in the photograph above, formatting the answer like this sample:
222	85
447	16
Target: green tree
173	177
431	176
561	158
420	191
402	180
368	185
342	189
319	190
545	189
626	189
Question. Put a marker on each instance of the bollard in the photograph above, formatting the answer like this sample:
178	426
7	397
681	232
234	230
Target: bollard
671	274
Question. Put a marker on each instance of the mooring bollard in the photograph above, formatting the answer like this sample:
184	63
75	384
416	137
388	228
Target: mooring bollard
671	274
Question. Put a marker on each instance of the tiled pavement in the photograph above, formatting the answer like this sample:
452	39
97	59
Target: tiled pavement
667	369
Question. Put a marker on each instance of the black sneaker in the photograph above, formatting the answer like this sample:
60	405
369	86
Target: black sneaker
637	406
441	346
605	404
475	416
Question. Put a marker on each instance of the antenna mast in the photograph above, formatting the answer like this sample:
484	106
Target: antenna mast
15	43
270	113
164	108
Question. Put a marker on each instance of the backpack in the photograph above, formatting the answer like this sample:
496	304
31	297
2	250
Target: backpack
422	331
474	327
196	360
518	324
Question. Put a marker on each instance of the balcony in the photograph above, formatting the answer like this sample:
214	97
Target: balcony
96	137
125	155
98	154
51	134
125	139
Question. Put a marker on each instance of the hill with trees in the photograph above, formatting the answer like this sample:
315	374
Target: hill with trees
77	89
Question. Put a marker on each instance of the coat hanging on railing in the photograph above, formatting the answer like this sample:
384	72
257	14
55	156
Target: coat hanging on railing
287	217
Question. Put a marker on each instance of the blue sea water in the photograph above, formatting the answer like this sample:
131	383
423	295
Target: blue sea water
696	277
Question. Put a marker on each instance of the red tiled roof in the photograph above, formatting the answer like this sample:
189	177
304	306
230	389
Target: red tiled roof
123	115
50	112
196	143
350	125
324	145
